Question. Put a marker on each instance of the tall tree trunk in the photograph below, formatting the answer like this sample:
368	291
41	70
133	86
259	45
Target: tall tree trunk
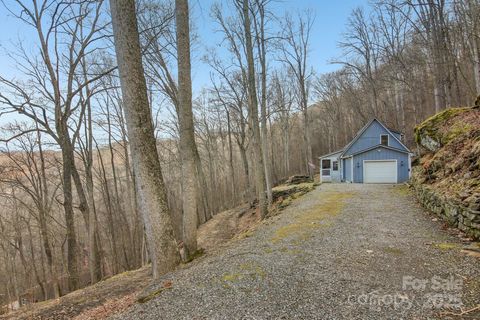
43	219
137	232
188	147
306	140
263	99
230	160
94	262
253	114
111	221
286	146
86	213
131	204
151	191
39	280
125	235
72	250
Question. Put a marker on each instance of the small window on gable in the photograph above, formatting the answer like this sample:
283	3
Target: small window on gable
335	165
384	139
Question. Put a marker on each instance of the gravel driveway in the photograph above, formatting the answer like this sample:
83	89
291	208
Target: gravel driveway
343	251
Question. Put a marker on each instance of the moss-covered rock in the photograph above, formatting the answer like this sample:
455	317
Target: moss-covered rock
433	132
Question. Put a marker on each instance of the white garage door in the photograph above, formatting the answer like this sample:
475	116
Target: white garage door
384	171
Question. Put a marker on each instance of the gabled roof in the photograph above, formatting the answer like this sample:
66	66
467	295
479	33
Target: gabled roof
375	147
365	128
330	154
394	131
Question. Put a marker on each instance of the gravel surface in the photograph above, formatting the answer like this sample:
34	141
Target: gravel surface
343	251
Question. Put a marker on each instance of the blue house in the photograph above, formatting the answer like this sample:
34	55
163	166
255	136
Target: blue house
375	155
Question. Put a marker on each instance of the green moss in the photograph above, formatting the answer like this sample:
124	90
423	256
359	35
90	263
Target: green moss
284	187
232	277
297	195
152	295
247	270
200	252
304	224
253	269
268	250
430	126
294	192
245	234
402	189
394	251
458	129
447	246
285	203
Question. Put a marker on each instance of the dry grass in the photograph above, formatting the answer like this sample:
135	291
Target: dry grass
98	301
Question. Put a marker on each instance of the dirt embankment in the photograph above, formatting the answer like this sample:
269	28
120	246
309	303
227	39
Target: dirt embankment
447	173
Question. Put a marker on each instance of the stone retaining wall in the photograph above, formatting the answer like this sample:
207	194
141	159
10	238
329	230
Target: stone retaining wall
454	212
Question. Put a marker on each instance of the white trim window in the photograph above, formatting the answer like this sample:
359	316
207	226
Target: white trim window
384	139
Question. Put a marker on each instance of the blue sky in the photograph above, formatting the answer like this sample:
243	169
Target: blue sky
331	16
330	21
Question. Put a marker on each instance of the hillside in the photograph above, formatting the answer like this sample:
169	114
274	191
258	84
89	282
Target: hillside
119	292
447	176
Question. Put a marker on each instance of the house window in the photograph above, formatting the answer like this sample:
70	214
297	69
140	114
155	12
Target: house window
326	164
335	165
384	139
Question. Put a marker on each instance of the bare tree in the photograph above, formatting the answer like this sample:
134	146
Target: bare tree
295	53
260	181
260	19
55	100
160	50
28	172
282	96
148	174
188	147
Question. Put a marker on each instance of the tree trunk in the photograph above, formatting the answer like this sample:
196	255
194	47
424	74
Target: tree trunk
253	115
40	283
286	146
72	250
188	147
151	191
111	221
263	101
306	139
230	160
